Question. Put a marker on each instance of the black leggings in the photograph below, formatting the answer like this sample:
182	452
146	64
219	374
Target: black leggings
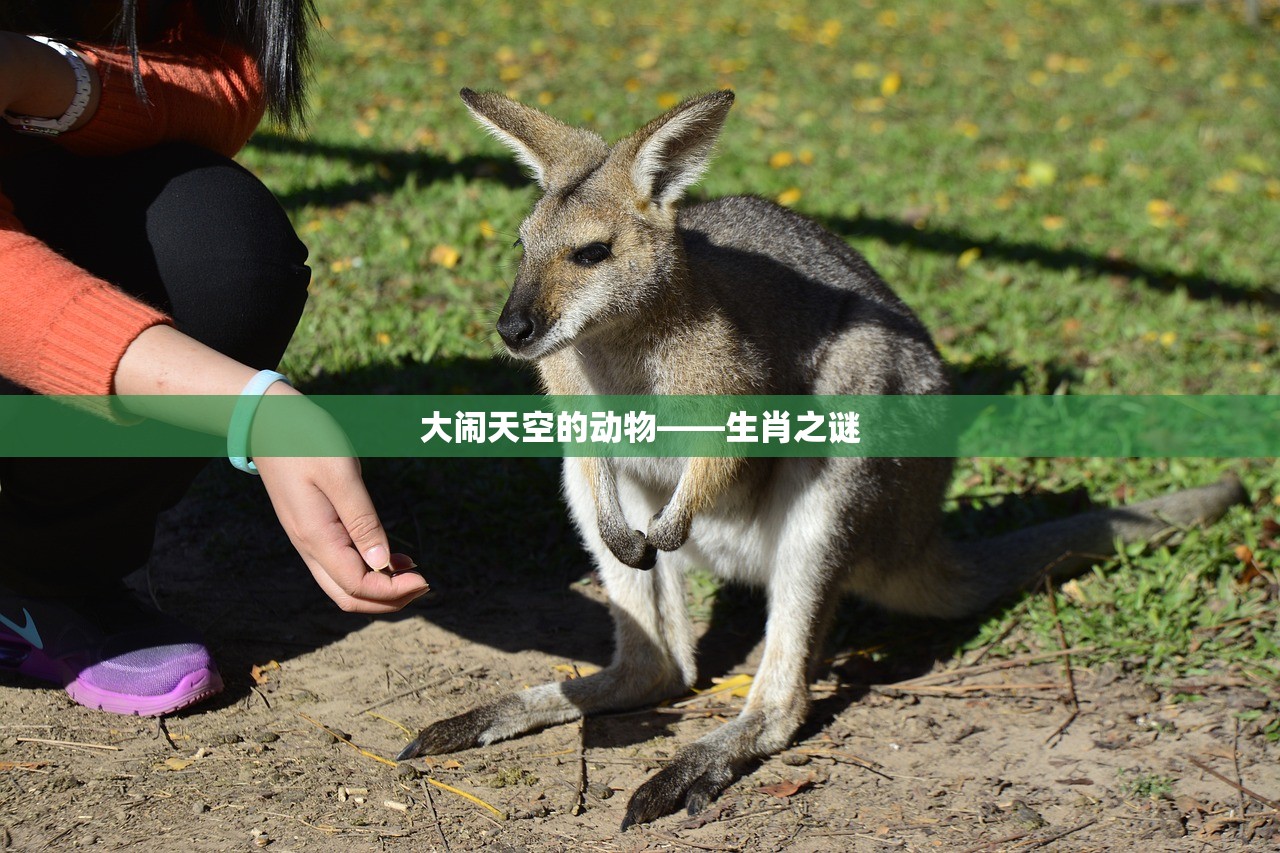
191	233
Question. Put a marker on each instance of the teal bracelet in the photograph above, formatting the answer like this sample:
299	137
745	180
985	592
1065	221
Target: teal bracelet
242	418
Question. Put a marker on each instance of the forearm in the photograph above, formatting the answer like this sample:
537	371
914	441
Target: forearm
35	80
163	366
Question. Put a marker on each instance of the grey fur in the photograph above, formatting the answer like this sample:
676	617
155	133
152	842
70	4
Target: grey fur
736	296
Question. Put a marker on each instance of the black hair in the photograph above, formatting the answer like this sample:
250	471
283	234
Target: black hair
274	32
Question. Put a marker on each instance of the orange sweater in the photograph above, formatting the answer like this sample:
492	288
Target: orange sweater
63	331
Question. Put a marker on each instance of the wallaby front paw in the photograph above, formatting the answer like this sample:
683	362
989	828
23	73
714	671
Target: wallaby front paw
668	530
632	549
695	778
464	731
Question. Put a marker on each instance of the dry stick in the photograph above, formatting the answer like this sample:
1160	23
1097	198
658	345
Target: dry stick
966	689
68	743
673	839
367	754
1040	842
581	805
1053	739
162	729
847	758
411	691
1235	759
431	803
1269	803
966	671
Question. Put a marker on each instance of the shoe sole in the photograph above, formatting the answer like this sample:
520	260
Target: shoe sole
194	687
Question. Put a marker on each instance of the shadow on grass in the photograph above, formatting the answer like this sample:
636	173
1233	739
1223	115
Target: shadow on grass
393	169
1198	286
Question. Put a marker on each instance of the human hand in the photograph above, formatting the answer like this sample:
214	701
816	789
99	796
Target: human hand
324	508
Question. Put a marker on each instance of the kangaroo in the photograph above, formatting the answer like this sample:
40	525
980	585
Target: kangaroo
619	291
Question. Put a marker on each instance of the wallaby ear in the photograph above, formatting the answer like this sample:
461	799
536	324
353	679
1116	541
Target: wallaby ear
672	151
554	151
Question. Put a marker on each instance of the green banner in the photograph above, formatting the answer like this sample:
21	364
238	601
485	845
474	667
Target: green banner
536	426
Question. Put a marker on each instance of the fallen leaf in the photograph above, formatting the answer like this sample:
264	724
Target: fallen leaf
259	671
576	669
176	763
445	256
787	787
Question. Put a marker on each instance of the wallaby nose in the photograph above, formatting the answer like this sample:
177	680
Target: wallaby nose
517	327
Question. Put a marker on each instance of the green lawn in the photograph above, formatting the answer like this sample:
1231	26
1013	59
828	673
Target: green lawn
1077	197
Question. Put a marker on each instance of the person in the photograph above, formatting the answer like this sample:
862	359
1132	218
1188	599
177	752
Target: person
137	258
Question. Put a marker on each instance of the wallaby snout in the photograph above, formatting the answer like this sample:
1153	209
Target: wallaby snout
518	325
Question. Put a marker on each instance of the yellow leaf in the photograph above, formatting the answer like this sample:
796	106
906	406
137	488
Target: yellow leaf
1053	223
579	669
891	83
1160	212
383	338
646	60
1252	163
667	100
865	71
1167	339
967	257
1227	182
887	18
176	763
781	159
736	685
445	256
1038	174
259	672
789	196
966	128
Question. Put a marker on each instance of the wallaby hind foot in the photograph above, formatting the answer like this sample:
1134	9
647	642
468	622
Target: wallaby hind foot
619	291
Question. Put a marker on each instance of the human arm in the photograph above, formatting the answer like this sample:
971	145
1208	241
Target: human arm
321	501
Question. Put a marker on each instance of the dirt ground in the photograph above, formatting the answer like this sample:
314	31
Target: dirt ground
942	763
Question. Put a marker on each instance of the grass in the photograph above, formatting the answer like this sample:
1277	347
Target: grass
1077	197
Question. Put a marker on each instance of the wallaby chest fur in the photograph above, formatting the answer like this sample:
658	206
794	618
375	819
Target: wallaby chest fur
620	292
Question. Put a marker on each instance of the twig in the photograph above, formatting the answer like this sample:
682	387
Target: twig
1235	759
162	729
966	671
472	797
991	845
431	804
1269	803
580	805
846	757
1040	842
673	839
339	736
68	743
333	830
1053	739
409	692
965	689
401	726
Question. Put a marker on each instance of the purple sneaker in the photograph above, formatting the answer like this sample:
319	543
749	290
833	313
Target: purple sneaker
107	651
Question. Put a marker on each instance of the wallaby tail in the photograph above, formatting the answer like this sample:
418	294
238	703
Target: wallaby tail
990	569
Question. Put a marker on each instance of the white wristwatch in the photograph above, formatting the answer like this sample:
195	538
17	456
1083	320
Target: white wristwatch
84	88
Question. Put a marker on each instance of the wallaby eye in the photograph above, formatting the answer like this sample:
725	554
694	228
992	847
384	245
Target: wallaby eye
591	254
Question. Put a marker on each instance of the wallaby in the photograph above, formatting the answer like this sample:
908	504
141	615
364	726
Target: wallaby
620	292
